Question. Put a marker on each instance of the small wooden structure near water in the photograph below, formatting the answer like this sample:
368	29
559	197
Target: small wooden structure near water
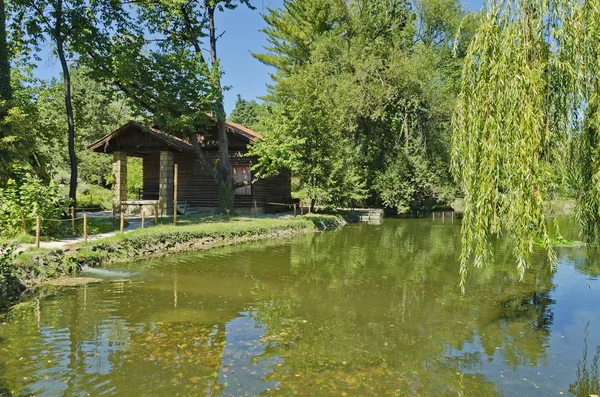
372	216
197	191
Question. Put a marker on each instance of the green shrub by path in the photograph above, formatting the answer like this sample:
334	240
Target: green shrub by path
29	198
95	197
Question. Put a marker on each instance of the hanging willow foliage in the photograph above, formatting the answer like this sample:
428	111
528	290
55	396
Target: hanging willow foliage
528	93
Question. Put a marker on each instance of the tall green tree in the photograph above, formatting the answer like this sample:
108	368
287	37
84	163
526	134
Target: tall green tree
163	68
529	92
66	23
5	87
246	113
388	83
97	111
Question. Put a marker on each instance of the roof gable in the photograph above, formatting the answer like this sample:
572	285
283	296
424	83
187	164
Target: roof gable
134	137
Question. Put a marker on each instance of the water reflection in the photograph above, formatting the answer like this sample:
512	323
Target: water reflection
588	381
369	310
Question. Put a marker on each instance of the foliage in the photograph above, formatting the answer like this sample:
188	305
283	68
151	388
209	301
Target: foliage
97	112
135	177
529	94
363	96
30	198
5	87
159	64
8	253
95	197
246	113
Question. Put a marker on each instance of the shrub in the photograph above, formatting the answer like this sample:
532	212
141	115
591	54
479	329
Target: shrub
31	198
9	286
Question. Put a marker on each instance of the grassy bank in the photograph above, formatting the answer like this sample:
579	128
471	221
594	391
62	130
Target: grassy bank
34	267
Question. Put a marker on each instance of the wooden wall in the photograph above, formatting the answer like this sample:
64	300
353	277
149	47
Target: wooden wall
198	188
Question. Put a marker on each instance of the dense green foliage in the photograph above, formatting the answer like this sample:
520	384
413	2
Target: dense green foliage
363	96
157	61
28	199
5	88
246	113
359	110
527	120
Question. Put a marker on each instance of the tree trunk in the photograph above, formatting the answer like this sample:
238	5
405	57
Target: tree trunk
224	172
5	88
68	105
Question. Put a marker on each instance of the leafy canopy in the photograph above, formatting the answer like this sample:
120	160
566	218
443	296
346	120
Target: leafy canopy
526	119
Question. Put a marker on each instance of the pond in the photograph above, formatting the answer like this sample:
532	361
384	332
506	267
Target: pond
364	311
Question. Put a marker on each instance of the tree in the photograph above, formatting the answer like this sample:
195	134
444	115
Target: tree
17	112
5	87
381	84
161	66
529	92
97	111
245	112
68	24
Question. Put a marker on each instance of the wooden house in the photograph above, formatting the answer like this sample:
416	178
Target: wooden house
164	155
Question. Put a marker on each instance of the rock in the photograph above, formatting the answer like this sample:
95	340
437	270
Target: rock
73	281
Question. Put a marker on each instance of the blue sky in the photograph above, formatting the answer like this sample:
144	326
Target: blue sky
244	74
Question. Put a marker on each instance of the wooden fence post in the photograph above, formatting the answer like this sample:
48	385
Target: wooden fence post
37	231
73	219
143	218
175	183
24	224
443	216
294	209
255	209
84	227
122	227
155	214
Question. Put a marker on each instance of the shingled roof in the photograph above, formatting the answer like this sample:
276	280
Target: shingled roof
239	129
170	141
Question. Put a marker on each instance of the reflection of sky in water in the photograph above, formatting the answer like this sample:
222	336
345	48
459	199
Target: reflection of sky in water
577	309
243	369
364	311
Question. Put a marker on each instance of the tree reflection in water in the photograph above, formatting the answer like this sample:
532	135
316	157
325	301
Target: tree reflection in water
365	311
588	382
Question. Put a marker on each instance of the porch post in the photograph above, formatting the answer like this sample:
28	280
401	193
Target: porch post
165	183
119	169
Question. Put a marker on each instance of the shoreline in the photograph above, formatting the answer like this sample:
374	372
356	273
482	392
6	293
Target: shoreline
34	268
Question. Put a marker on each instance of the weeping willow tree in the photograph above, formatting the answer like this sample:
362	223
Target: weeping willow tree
527	122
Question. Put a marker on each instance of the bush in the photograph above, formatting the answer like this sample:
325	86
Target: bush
9	286
96	197
32	199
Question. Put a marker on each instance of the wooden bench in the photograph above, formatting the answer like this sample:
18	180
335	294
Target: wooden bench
280	204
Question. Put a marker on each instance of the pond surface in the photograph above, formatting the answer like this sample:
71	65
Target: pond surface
365	311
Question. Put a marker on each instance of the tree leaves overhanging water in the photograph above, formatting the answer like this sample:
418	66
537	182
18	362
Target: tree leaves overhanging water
526	124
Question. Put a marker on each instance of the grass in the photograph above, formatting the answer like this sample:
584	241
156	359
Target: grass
559	242
94	226
35	266
223	227
20	239
96	197
219	230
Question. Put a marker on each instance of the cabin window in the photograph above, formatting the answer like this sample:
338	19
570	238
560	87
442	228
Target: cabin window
241	173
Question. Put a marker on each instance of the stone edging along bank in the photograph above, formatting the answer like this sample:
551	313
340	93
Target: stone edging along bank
31	271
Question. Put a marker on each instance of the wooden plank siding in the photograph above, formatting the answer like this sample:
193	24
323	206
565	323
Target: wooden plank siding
198	189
